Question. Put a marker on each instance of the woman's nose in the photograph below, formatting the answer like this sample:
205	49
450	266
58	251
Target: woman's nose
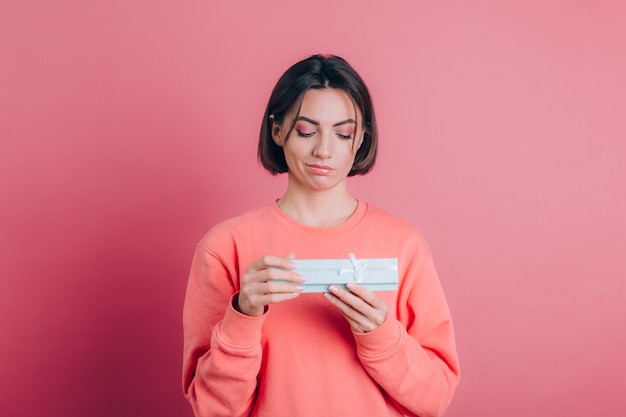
323	146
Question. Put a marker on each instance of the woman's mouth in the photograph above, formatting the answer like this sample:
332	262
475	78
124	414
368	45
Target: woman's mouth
318	169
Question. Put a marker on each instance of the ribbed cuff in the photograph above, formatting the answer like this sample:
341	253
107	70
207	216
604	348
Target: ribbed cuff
381	340
238	329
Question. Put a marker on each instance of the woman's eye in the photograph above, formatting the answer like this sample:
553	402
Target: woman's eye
345	133
303	134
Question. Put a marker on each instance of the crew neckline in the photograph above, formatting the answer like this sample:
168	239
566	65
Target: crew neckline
300	229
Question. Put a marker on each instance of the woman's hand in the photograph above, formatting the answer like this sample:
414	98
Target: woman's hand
363	309
256	289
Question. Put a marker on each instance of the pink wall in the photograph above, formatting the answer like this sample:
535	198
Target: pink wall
128	128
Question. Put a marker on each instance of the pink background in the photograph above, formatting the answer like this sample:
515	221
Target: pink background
128	128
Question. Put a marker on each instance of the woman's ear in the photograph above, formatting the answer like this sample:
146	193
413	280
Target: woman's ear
276	131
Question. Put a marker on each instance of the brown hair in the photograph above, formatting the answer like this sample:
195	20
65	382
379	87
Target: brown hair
317	72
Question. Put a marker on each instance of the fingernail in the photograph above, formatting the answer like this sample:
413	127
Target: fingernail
333	288
350	286
299	288
301	278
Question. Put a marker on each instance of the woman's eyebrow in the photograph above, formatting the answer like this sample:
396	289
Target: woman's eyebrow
316	123
345	122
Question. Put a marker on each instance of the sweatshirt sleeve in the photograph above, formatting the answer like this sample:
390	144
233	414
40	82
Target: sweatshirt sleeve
414	358
222	347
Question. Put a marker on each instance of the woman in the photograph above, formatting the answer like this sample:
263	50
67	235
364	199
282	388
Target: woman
257	344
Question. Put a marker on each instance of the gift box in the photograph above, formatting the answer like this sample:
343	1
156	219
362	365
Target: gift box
375	274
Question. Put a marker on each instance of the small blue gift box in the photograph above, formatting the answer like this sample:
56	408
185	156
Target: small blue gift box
375	274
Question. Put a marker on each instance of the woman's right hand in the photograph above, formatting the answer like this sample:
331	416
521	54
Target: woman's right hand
258	288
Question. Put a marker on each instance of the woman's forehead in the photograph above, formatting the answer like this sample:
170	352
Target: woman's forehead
329	105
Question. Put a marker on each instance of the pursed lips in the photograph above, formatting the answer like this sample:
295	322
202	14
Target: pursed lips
319	169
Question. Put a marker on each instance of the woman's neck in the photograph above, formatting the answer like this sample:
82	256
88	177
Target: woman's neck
322	209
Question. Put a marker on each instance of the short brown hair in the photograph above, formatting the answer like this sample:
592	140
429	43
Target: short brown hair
318	72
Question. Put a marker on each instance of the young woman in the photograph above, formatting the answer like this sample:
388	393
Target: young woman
254	343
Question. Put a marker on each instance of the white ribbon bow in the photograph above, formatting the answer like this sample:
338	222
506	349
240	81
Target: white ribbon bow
356	270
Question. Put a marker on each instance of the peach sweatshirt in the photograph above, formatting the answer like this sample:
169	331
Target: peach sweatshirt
301	358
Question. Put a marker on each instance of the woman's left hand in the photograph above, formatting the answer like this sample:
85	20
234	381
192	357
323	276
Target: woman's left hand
363	309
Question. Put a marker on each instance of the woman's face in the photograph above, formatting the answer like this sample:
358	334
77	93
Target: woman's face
321	148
